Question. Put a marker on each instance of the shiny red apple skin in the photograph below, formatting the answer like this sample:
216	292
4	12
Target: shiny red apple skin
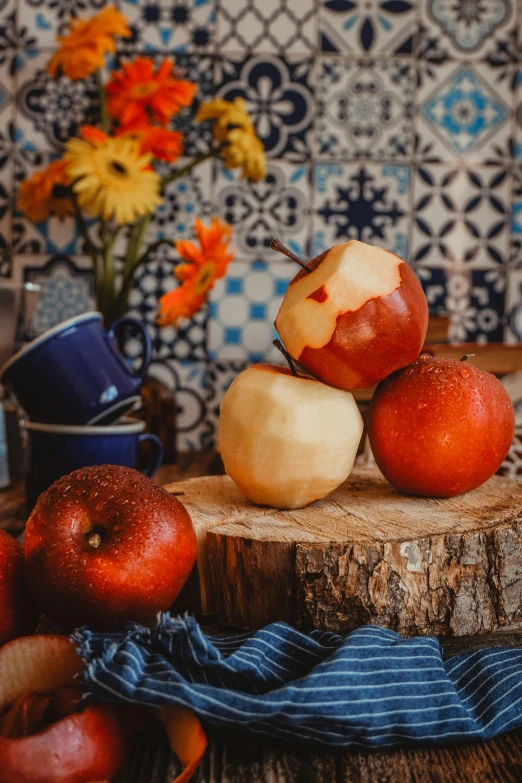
81	748
146	551
18	616
440	427
367	344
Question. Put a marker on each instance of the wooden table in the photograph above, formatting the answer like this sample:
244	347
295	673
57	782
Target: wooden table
237	758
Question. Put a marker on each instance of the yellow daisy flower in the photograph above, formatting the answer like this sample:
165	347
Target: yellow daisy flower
226	114
245	150
112	179
234	129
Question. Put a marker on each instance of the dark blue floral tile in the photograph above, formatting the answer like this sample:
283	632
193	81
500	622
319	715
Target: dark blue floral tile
187	382
356	26
278	94
184	200
515	254
474	300
260	211
49	236
460	216
45	20
434	282
188	340
469	29
67	287
200	70
464	112
283	27
369	202
169	25
513	332
488	297
50	111
364	109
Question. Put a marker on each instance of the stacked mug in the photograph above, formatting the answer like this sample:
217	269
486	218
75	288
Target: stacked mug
75	388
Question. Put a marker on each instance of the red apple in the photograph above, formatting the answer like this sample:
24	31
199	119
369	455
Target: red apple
106	545
356	317
80	748
440	427
18	616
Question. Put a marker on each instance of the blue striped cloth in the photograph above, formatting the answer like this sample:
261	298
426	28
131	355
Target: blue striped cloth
372	688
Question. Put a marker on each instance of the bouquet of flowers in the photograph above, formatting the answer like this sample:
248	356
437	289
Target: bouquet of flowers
107	178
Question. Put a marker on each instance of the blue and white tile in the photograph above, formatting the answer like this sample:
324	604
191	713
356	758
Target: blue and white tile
434	282
260	211
45	20
186	25
364	109
273	26
243	307
365	201
488	297
187	382
185	342
196	68
50	236
50	111
184	200
469	30
515	255
7	18
460	216
220	375
67	287
368	26
464	111
279	98
513	332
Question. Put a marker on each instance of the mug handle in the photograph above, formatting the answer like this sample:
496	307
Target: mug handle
157	453
128	320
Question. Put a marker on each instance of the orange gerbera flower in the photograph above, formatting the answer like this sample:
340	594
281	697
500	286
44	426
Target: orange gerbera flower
138	94
83	51
44	193
208	263
162	143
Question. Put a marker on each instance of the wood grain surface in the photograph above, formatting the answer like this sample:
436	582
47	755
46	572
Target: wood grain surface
364	554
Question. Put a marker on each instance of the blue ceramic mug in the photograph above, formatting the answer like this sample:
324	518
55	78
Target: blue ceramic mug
74	373
54	450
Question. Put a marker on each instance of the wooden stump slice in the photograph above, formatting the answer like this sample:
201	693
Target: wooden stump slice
365	554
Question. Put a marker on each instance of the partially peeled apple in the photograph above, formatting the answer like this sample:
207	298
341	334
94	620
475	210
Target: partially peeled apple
353	315
287	440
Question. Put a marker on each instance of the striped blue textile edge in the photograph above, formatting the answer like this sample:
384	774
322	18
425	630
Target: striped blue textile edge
372	688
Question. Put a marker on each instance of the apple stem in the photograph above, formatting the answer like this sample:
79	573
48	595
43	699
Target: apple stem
94	540
467	356
279	345
275	244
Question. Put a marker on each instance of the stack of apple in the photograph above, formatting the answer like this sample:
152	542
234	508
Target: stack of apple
353	317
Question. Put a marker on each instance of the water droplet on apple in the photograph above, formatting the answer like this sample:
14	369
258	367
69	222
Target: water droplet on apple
464	373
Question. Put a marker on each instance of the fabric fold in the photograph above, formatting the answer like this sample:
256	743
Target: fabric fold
372	688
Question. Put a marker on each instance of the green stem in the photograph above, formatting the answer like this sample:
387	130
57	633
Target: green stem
105	120
108	269
91	248
135	242
188	167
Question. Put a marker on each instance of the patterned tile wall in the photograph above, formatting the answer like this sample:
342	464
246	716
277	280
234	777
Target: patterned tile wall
398	122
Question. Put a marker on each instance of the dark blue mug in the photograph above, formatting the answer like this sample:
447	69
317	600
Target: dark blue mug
54	450
74	373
